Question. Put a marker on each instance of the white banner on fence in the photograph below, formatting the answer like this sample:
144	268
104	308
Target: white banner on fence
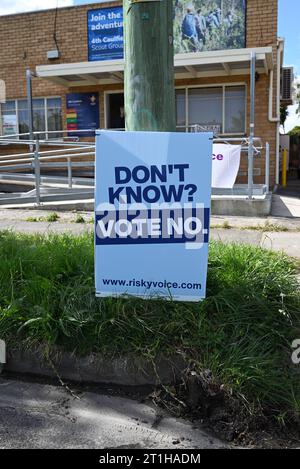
225	166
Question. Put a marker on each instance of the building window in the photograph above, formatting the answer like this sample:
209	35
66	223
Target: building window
180	110
54	117
235	110
205	106
221	107
47	117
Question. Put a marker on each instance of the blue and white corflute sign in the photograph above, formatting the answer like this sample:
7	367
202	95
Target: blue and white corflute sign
152	203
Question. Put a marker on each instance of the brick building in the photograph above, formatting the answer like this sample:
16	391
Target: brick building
212	87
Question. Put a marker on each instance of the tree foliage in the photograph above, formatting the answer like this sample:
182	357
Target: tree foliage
295	132
283	114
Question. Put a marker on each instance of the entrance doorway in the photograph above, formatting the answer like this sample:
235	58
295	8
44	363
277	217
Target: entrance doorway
292	145
115	118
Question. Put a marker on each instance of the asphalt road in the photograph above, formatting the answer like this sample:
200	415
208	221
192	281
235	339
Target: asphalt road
36	415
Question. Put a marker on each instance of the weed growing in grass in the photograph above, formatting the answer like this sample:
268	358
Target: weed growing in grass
52	217
79	219
274	227
271	227
225	226
242	332
32	219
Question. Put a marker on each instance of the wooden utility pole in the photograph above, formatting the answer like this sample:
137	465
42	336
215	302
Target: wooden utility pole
149	65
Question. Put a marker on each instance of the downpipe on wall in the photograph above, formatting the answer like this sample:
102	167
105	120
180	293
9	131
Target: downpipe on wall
276	119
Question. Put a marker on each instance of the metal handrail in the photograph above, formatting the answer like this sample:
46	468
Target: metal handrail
50	143
35	158
47	152
51	132
50	157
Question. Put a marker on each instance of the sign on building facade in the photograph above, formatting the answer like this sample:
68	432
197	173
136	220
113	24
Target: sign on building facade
199	25
9	124
152	202
105	34
82	113
207	25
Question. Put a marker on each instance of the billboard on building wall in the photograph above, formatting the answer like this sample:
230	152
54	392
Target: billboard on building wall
105	34
152	211
207	25
199	25
82	113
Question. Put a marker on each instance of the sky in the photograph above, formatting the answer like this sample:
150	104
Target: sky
17	6
288	27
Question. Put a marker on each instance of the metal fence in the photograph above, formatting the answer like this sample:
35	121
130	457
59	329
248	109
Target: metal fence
41	167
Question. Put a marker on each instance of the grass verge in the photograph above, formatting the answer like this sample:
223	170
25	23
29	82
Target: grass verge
242	332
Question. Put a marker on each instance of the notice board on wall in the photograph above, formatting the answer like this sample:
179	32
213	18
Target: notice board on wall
82	114
152	212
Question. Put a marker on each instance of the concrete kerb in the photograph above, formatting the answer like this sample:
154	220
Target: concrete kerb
96	369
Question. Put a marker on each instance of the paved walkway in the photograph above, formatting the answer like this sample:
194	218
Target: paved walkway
291	190
279	234
285	206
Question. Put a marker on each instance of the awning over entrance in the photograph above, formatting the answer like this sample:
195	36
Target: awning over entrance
192	65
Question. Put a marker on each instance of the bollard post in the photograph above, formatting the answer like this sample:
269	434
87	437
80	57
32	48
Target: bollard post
284	167
267	170
70	181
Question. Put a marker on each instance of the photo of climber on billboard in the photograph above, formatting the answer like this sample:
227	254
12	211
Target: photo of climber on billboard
207	25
